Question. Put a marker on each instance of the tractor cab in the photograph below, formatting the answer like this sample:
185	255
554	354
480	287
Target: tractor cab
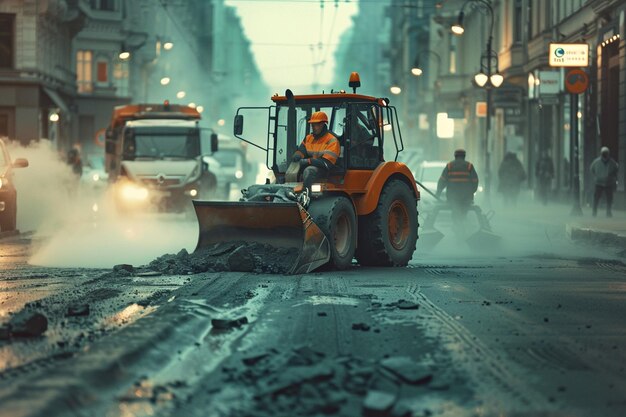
362	124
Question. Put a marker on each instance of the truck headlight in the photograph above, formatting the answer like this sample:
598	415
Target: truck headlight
134	193
2	181
193	192
96	177
239	174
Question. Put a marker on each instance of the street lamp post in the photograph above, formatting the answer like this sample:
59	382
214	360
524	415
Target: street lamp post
486	78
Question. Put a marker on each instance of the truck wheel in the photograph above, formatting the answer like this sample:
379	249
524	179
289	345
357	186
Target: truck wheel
8	218
387	236
335	216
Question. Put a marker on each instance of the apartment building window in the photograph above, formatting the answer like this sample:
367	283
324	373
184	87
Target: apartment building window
517	22
7	40
102	71
104	5
120	78
530	19
84	78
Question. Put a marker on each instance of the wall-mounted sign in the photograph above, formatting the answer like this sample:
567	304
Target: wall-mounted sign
549	82
569	55
576	81
481	109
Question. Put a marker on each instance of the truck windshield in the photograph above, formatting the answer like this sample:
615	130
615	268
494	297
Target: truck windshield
227	158
159	146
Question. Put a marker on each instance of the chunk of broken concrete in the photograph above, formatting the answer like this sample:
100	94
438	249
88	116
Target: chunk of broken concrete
360	326
407	305
78	310
378	403
124	267
241	259
222	324
28	324
407	370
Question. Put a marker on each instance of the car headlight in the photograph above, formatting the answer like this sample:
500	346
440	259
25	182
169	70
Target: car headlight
132	192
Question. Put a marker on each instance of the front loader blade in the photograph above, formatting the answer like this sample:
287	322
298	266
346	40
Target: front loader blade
279	225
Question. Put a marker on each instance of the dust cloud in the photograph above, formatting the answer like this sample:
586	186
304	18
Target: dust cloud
75	224
527	229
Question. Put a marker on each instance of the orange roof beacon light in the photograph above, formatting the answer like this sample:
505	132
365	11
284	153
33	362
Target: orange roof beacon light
355	81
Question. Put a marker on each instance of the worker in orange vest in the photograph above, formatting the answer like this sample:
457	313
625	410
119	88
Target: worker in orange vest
461	181
318	152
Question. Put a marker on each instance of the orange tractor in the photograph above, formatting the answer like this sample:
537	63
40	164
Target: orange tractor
366	208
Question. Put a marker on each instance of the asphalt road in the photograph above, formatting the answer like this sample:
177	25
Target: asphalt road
533	327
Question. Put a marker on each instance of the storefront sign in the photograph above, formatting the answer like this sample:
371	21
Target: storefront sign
569	55
481	109
549	82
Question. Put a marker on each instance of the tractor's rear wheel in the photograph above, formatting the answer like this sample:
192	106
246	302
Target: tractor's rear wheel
335	216
387	236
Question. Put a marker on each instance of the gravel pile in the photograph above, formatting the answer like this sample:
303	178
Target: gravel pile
235	257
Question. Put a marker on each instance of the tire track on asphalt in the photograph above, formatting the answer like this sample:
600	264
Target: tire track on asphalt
482	363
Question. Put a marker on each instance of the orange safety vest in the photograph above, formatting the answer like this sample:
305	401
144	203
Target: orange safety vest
459	173
326	147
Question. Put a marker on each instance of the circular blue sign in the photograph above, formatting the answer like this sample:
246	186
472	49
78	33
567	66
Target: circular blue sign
559	52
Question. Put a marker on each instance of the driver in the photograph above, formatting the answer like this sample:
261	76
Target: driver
318	152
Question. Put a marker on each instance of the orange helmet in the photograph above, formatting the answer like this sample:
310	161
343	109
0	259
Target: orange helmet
318	117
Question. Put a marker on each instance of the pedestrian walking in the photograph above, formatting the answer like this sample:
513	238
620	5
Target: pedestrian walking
604	172
544	172
460	180
511	174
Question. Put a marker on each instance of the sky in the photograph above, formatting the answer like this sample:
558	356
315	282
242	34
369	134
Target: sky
289	36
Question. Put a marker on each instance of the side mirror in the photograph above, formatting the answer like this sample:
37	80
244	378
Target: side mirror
213	142
20	163
238	126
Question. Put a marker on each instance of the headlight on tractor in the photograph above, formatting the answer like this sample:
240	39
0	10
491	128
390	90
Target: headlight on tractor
316	188
132	192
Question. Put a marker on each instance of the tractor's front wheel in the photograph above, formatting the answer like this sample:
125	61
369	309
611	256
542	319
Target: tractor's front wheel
387	237
335	216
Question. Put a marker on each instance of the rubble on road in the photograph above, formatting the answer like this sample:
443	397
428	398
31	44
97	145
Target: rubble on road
306	382
224	257
222	324
27	324
77	310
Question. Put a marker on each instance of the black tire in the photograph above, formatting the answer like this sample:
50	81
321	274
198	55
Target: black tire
397	210
335	216
8	218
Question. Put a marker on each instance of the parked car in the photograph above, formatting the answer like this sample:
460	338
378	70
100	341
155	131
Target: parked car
8	193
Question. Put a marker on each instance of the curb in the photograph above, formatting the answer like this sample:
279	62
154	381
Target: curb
9	233
584	234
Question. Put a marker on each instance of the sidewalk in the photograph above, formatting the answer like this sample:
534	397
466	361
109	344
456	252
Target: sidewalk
598	230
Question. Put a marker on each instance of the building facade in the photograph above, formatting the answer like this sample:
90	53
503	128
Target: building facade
65	64
531	112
